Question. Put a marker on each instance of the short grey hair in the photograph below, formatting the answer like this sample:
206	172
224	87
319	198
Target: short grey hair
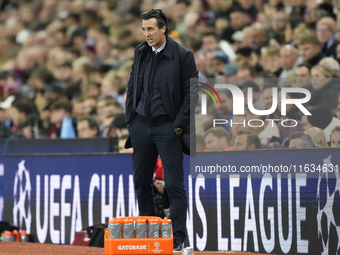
332	64
306	140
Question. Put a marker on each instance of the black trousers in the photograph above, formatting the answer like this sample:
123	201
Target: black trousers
148	141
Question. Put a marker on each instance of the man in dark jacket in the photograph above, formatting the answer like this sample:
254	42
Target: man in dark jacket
310	50
159	103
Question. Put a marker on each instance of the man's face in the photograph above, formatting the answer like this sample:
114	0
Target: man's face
241	142
57	116
238	20
226	106
64	73
84	131
319	81
305	123
16	116
271	63
214	144
89	105
217	65
278	22
335	139
153	35
302	72
256	125
240	60
308	51
295	143
303	76
323	33
209	41
288	58
249	38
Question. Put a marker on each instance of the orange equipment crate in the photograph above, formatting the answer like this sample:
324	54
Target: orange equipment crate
140	246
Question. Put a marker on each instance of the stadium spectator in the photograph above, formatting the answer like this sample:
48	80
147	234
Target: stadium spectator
117	127
318	136
305	123
256	94
209	55
92	88
332	64
217	139
278	23
266	130
310	50
239	18
19	112
32	128
300	140
289	57
246	140
270	60
106	132
229	70
89	104
321	117
292	111
209	41
87	127
303	76
335	137
219	61
299	32
255	36
246	72
220	111
326	34
63	126
244	56
325	90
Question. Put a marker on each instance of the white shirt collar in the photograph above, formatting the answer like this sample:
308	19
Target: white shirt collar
160	48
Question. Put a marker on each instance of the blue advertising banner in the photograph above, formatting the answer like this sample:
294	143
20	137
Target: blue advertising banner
53	196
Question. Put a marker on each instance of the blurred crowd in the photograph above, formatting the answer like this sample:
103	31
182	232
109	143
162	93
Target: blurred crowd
65	66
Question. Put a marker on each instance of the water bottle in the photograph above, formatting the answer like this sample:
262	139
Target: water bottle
153	231
24	238
115	227
166	228
128	229
141	228
7	236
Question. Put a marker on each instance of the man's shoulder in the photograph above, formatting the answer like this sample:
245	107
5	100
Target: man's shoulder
180	48
140	46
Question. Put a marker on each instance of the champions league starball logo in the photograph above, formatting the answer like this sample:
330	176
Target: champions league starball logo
328	193
22	197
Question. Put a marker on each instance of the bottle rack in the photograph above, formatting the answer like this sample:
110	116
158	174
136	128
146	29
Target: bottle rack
140	246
